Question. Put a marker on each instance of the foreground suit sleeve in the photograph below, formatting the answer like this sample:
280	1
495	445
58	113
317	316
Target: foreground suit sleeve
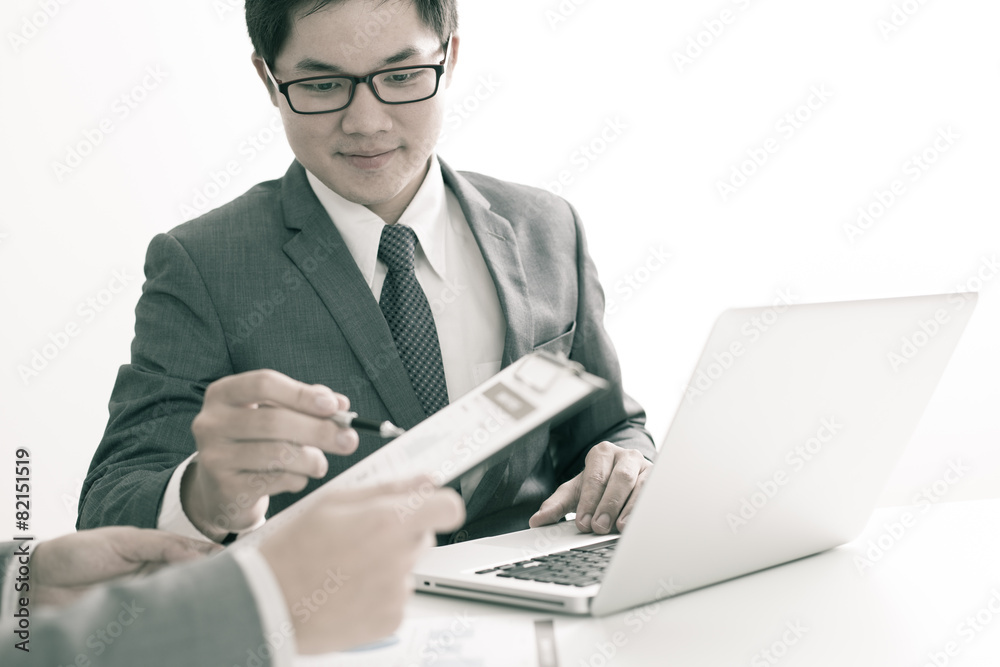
197	614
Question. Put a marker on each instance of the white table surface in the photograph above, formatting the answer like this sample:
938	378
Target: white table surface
910	605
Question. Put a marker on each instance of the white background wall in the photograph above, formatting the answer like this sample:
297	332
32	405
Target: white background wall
560	73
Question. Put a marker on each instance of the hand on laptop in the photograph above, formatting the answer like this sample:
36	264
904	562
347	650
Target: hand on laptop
66	567
258	433
603	495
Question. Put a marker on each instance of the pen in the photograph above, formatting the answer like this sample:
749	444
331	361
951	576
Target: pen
385	429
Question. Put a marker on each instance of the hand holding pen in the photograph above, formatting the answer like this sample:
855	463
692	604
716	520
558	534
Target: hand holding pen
259	434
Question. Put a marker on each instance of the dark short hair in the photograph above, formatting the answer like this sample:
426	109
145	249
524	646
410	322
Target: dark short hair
270	21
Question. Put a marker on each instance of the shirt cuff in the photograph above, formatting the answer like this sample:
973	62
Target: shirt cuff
275	621
172	517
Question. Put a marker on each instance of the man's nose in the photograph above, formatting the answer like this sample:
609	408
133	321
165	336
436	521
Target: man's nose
366	114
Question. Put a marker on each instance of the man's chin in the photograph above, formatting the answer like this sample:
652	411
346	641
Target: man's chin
365	189
368	197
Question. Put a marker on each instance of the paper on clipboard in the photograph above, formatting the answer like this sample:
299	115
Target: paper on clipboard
535	390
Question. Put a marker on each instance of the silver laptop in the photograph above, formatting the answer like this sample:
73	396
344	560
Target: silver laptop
788	429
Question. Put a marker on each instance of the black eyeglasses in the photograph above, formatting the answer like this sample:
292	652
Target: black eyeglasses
396	85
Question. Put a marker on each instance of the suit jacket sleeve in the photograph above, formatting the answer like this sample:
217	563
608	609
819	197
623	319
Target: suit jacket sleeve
615	417
197	614
178	350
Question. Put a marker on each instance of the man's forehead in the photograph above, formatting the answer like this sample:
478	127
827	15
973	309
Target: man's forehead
356	36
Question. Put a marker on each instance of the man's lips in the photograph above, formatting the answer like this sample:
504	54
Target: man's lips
368	153
368	160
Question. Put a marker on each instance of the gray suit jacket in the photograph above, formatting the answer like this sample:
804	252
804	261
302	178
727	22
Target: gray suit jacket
196	614
266	281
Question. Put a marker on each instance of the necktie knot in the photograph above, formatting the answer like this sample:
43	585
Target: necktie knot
396	247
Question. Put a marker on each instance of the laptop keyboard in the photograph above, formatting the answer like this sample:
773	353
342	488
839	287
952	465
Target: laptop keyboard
582	566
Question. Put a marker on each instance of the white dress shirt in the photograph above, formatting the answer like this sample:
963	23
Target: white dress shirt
453	274
450	269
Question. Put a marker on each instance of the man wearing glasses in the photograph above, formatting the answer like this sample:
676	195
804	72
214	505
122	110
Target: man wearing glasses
388	278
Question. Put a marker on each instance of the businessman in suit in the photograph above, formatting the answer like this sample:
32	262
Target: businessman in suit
371	270
340	571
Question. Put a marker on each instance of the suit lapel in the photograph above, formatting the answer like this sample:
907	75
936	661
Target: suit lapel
498	244
346	295
499	247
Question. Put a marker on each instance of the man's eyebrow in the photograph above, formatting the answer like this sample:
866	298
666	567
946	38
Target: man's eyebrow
313	65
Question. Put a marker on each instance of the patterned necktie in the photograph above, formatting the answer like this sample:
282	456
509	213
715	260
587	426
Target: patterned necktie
408	313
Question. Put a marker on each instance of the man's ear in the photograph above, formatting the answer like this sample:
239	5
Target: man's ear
452	59
258	64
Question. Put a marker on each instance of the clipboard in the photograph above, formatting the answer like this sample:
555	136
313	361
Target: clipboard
538	389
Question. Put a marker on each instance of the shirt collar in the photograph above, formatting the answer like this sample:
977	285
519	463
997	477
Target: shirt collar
427	216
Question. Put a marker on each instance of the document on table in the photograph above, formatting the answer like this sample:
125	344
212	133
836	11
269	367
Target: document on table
533	391
453	641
